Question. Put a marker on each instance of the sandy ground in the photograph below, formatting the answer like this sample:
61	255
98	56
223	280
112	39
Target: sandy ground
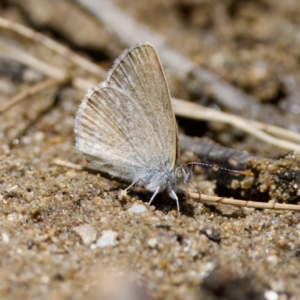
68	234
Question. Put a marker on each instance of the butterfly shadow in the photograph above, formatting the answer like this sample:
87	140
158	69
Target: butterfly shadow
214	208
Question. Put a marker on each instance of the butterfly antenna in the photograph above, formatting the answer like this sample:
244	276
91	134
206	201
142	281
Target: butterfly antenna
246	173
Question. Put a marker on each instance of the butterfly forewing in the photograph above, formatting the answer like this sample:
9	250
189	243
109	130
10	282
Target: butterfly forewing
139	74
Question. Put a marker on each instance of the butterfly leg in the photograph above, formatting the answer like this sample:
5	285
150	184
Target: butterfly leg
153	196
174	196
123	193
129	187
134	183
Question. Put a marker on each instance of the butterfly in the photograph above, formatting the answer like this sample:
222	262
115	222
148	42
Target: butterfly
126	126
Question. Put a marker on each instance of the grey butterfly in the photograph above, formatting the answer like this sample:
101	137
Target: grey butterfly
126	125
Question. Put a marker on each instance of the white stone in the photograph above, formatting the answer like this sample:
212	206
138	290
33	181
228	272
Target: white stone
270	295
152	243
137	208
87	233
5	237
108	238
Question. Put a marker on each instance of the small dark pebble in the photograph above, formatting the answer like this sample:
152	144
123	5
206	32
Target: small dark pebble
211	234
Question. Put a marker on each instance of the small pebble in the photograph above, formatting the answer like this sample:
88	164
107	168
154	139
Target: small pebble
152	243
39	136
12	189
87	233
272	260
5	237
108	238
137	208
5	149
122	194
270	295
14	217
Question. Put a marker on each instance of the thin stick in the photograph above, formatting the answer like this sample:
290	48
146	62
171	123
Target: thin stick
187	110
31	91
67	164
52	45
245	203
195	111
286	134
12	52
31	61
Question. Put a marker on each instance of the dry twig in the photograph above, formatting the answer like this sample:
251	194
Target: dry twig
12	52
195	111
38	65
40	87
244	203
54	46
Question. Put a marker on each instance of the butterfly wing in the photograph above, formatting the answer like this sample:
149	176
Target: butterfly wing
139	73
126	125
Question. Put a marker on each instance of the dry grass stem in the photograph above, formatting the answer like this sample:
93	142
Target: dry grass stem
194	111
12	52
23	95
52	45
67	164
245	203
286	134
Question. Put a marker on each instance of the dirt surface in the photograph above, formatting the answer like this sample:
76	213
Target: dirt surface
67	234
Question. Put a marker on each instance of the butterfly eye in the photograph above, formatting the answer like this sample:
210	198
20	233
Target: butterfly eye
179	174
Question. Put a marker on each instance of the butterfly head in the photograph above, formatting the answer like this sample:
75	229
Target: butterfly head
183	174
